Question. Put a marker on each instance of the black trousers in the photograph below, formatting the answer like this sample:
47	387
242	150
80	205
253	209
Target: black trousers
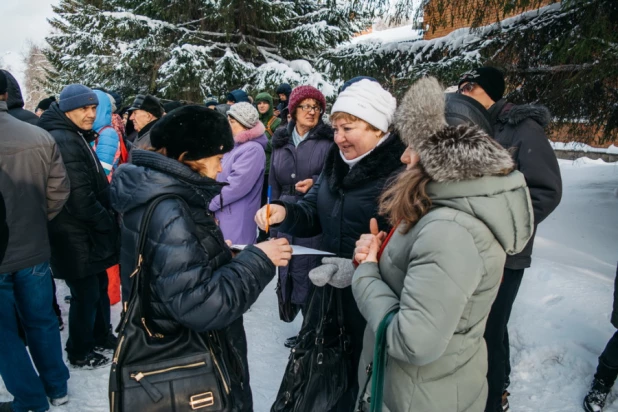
89	314
497	338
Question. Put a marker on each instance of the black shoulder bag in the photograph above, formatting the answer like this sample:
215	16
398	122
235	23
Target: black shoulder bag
152	372
287	309
317	372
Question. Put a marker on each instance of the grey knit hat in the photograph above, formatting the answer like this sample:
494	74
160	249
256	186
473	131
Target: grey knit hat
245	114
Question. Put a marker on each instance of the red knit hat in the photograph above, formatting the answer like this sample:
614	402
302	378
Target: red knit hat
305	92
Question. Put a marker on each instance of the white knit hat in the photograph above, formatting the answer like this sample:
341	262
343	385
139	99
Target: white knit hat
245	114
368	101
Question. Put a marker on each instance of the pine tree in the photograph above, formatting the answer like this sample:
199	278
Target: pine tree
36	70
565	55
186	49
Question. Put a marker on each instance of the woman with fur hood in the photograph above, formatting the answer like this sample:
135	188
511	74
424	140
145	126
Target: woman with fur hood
457	210
243	171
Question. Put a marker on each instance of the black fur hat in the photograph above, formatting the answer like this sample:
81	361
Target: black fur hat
197	130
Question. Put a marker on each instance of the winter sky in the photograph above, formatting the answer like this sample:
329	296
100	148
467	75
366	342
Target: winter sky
22	20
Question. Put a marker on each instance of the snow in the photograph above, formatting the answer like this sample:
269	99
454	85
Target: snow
582	147
397	34
559	325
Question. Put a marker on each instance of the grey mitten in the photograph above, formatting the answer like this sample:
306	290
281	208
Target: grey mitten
335	271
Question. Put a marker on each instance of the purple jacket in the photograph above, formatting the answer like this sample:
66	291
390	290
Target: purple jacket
290	165
243	170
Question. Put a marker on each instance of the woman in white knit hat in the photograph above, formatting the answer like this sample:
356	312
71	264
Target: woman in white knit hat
340	206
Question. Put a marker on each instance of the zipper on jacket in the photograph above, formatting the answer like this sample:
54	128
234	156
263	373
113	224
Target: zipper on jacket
140	375
96	162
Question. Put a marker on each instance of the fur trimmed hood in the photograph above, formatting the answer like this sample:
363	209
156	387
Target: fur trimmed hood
447	153
250	134
519	113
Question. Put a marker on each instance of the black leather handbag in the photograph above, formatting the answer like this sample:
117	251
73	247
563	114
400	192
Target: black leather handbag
287	309
317	372
156	373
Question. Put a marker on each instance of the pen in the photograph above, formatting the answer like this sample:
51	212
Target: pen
268	208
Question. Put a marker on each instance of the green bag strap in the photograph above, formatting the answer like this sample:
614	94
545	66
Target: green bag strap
379	363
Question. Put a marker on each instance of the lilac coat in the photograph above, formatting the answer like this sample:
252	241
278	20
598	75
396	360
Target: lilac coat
290	165
243	170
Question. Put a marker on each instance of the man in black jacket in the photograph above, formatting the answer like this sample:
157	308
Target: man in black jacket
519	129
35	187
15	101
84	236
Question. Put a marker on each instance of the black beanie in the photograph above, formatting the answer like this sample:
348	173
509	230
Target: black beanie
45	103
489	78
197	130
4	85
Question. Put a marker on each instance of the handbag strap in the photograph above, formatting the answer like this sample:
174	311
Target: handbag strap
141	243
379	362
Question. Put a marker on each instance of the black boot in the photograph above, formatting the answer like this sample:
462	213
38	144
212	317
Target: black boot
595	399
291	342
6	406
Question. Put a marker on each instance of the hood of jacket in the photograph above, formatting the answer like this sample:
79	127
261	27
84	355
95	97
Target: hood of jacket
512	114
265	97
151	175
256	133
321	131
104	111
15	100
55	119
502	203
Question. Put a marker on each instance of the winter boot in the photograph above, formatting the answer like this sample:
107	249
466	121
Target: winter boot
505	401
595	399
291	342
91	361
108	344
59	401
6	406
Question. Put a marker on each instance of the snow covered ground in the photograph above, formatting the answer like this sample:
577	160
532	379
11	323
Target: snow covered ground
559	326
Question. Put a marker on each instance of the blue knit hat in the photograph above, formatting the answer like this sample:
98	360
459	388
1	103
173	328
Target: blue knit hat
75	96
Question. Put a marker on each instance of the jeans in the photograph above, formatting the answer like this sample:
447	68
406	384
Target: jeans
30	291
89	314
497	338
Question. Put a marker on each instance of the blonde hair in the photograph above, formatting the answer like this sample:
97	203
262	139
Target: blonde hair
351	118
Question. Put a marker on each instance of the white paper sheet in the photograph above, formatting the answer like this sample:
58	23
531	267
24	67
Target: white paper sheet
296	251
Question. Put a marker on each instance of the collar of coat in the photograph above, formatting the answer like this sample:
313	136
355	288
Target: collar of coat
146	128
250	134
509	113
380	164
283	135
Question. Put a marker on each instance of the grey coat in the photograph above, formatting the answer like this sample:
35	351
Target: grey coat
35	186
443	275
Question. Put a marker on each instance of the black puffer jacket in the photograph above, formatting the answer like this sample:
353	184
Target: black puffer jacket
520	129
15	101
4	229
84	236
195	283
339	206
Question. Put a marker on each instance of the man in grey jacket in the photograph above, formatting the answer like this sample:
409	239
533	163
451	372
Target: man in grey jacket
35	186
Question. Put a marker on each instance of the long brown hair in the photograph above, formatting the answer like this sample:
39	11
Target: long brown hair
405	199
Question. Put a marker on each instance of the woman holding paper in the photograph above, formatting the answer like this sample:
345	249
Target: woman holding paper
458	210
299	151
344	198
195	282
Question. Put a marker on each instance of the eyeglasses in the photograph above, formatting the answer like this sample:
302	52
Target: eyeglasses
466	88
309	108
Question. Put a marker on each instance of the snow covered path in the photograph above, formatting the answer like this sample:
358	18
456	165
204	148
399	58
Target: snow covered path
559	326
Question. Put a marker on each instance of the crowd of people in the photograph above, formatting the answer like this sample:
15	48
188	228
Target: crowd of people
429	207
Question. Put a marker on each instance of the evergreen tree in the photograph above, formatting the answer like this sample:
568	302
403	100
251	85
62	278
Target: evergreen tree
186	49
565	55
